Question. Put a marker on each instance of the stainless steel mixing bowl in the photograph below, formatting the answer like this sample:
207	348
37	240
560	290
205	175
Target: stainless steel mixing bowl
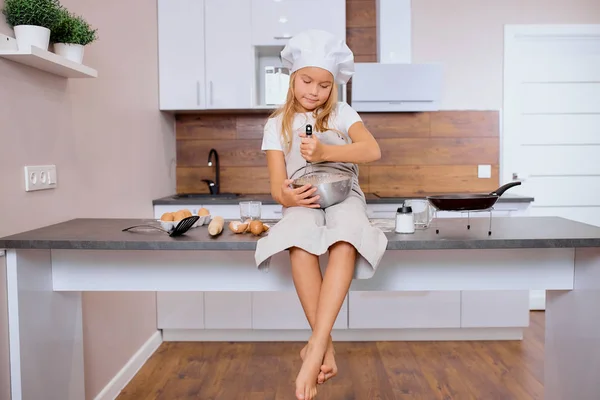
332	188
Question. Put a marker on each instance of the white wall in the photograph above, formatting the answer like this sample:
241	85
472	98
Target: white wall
468	35
114	153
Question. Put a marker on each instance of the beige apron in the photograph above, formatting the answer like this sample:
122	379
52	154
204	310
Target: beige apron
315	230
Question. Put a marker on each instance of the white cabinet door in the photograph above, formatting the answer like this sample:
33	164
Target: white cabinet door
283	310
274	22
494	308
181	54
180	310
229	54
400	310
228	310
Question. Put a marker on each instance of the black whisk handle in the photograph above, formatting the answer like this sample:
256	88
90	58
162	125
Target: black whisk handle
308	130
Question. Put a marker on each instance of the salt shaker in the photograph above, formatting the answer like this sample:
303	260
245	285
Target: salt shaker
405	220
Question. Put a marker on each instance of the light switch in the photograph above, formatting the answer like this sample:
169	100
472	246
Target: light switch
484	171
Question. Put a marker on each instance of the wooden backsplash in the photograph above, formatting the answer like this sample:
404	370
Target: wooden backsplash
422	153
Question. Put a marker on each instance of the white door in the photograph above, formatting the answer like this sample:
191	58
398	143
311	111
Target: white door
181	54
551	133
229	54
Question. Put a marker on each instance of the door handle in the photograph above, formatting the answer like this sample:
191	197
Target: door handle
198	92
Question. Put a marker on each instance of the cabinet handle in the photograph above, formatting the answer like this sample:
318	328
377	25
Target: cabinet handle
281	37
198	92
211	92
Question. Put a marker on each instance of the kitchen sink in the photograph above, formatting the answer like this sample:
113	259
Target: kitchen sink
206	196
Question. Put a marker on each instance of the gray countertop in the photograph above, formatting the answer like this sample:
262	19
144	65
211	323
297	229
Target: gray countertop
507	233
372	198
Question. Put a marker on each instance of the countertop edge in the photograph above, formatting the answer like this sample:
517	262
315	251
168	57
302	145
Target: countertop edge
266	200
393	244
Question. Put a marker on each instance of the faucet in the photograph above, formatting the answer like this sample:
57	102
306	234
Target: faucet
213	186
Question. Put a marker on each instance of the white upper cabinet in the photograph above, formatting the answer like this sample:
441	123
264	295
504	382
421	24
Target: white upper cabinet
181	54
229	54
275	21
213	53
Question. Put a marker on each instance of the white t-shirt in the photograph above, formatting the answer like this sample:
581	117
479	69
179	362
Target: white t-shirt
341	119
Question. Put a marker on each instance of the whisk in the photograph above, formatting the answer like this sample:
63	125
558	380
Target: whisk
308	131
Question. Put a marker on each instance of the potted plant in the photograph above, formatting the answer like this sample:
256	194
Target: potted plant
32	21
70	35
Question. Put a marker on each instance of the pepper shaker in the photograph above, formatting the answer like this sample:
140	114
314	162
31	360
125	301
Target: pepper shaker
405	220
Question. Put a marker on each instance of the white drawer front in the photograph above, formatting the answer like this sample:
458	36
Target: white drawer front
398	310
382	210
228	310
495	308
283	310
180	310
227	211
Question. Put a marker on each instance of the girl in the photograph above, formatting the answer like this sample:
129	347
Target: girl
318	63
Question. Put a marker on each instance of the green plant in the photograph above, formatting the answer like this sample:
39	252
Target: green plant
72	29
45	13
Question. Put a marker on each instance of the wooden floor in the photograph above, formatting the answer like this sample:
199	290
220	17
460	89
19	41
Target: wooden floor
503	370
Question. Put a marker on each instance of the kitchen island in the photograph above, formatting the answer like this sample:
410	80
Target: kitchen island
48	268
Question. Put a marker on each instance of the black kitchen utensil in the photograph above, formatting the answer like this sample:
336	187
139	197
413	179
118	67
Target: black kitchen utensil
182	227
308	131
469	202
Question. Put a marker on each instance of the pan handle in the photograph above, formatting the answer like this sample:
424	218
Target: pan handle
500	191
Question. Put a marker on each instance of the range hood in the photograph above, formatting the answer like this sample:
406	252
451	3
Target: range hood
394	83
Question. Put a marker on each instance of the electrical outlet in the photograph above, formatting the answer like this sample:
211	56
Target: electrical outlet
484	171
40	177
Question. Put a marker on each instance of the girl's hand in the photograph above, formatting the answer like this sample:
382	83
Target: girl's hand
311	148
301	197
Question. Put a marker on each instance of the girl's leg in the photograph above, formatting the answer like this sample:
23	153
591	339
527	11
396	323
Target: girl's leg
335	285
307	280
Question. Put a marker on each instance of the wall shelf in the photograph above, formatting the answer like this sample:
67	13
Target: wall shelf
44	60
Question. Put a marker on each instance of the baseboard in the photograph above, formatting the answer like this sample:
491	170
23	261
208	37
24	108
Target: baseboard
119	381
341	335
537	300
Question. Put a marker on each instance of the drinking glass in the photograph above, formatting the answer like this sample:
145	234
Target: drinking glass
422	211
250	210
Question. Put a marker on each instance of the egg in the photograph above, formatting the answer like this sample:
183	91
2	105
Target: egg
186	212
167	217
203	212
256	227
179	215
237	227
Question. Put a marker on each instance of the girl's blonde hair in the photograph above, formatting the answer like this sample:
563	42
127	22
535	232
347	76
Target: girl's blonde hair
291	106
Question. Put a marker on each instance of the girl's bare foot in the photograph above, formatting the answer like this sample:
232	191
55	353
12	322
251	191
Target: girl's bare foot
329	368
306	381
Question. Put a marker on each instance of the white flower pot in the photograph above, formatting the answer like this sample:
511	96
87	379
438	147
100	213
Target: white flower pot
70	51
31	35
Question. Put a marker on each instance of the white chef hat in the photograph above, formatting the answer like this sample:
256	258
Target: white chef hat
316	48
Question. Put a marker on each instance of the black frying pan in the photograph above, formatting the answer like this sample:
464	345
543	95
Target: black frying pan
469	202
